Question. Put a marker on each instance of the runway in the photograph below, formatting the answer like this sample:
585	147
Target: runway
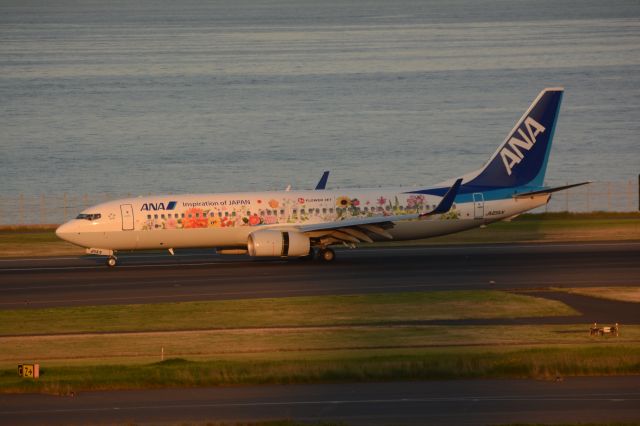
460	402
203	275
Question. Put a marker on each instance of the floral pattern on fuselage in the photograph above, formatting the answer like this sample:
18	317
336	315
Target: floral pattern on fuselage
292	210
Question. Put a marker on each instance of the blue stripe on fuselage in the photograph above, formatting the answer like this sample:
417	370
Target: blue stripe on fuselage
490	193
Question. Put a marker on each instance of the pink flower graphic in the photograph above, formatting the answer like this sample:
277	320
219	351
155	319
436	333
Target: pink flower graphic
254	220
415	201
191	221
382	201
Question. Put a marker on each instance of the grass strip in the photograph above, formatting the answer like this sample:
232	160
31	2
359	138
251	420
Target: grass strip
622	294
278	344
384	308
539	363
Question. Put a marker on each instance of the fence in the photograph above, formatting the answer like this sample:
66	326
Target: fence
52	209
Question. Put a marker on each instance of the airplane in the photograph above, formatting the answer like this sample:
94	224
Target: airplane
308	223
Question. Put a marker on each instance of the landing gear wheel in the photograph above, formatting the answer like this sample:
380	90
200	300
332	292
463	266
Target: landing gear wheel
112	262
327	255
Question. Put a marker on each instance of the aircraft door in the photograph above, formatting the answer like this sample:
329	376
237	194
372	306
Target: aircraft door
127	217
478	205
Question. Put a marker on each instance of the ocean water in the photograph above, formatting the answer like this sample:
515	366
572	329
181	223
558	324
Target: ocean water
230	95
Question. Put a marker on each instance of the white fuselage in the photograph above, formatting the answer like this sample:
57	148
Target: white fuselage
227	220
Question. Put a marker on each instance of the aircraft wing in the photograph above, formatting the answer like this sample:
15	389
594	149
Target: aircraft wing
359	230
354	230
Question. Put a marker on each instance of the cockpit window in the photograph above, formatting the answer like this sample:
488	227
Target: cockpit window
89	216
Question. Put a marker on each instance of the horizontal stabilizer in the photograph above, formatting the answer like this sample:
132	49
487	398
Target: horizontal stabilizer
549	190
447	200
322	183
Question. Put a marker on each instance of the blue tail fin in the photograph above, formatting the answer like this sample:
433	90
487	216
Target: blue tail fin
521	160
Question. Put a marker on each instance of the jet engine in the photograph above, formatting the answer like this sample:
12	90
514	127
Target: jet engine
278	243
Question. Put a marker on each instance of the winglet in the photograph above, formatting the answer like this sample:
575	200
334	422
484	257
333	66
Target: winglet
322	183
447	200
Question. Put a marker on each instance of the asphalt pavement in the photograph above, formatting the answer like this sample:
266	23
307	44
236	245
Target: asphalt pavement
458	402
203	275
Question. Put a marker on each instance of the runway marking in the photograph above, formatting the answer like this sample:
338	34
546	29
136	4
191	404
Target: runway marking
543	245
631	397
364	249
154	265
182	282
128	256
254	294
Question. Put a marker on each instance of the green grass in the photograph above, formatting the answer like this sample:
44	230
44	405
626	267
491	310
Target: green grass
290	343
28	241
623	294
280	312
542	230
537	363
302	340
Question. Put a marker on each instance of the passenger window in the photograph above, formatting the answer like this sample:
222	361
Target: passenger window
233	214
226	214
148	216
219	214
155	216
281	212
301	211
162	216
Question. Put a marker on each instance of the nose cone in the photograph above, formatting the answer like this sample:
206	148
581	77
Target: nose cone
66	232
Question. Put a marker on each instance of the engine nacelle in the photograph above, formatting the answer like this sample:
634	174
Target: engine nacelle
278	243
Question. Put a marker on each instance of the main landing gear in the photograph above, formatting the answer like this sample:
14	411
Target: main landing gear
326	254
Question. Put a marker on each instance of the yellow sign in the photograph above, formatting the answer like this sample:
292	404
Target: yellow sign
29	370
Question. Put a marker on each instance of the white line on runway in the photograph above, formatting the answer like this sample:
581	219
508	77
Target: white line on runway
286	293
87	257
364	250
148	265
630	397
349	253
